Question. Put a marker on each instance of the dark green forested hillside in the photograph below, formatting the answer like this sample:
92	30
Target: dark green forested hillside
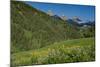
38	38
33	29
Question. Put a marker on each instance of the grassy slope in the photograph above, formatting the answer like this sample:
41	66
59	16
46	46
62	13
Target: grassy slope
37	38
33	29
67	51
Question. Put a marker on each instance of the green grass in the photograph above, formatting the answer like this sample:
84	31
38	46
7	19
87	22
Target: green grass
34	29
37	38
77	50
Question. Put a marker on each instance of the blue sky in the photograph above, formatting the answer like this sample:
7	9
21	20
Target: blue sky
85	13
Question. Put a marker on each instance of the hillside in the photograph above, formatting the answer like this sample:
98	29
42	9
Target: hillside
77	50
33	29
40	38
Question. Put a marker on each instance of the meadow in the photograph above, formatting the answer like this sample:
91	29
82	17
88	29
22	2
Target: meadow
39	38
77	50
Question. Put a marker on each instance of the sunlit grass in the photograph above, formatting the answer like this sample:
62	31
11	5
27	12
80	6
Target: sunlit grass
78	50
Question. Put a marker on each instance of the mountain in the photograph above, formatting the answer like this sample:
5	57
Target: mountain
77	22
39	38
89	23
56	17
33	29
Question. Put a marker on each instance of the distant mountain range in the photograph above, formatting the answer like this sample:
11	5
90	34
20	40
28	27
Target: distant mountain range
76	21
33	29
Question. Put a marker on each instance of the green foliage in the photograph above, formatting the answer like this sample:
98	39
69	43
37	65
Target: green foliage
33	29
37	38
78	50
88	31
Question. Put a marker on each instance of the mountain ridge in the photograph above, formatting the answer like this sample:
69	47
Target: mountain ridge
33	29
